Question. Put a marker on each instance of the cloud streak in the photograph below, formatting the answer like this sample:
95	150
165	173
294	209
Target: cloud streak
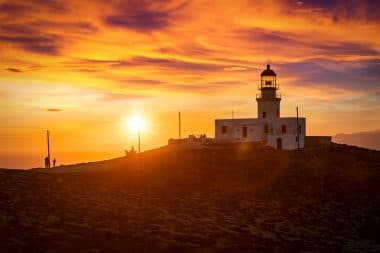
54	110
142	16
14	70
355	75
34	43
274	40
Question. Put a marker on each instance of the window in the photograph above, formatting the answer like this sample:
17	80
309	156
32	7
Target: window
264	115
224	129
245	132
299	129
266	128
283	129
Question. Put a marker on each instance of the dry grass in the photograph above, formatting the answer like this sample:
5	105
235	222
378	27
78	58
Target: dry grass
221	199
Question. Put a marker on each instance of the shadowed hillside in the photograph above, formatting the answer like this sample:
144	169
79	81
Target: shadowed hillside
236	198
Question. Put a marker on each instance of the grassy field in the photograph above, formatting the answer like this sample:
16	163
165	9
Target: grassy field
232	198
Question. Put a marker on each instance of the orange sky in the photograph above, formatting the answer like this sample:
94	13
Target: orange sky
80	68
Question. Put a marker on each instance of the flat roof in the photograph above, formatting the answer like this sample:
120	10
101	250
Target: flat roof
259	118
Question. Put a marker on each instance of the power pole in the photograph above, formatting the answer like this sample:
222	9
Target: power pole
139	159
139	140
48	146
179	125
298	131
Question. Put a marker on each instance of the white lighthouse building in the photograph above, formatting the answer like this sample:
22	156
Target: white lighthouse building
269	127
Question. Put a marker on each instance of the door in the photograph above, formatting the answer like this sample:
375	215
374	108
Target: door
245	132
279	143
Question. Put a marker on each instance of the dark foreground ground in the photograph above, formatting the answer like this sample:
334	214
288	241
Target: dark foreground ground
222	199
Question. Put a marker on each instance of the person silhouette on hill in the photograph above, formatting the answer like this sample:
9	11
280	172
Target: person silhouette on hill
131	152
47	162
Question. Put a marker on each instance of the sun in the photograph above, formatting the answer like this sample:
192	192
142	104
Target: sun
136	123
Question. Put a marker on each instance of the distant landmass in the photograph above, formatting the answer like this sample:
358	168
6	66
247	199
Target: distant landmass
222	198
370	139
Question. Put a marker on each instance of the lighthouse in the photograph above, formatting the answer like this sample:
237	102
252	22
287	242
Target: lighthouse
269	127
268	98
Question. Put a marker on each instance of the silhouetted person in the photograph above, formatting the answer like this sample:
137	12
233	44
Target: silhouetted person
47	162
54	162
131	152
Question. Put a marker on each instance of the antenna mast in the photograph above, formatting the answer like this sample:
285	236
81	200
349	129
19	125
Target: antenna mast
48	146
298	131
179	125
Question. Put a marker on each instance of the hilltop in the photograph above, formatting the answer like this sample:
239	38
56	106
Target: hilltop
224	198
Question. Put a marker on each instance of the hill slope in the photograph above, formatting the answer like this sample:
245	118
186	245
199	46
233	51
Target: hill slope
237	198
369	140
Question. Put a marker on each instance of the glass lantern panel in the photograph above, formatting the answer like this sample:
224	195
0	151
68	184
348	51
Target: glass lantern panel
268	81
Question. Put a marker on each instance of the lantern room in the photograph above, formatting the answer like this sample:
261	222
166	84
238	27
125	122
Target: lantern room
268	79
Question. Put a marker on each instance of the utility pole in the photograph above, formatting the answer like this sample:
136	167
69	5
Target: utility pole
139	147
139	140
179	125
298	131
48	146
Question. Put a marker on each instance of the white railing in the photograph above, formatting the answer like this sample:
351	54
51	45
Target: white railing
272	86
259	95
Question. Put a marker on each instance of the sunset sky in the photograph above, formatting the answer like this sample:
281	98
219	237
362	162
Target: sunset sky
81	68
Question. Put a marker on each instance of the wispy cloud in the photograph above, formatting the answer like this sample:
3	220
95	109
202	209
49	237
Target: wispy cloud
340	10
142	15
54	110
30	39
275	41
15	70
361	75
168	63
36	44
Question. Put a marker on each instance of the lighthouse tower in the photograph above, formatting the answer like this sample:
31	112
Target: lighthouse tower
268	128
268	98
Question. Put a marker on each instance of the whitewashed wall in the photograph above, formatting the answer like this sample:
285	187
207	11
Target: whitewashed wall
255	131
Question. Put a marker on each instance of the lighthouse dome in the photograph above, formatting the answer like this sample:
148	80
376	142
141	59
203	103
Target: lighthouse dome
268	72
268	79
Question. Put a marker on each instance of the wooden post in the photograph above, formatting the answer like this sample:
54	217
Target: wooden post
179	125
298	131
48	146
139	159
139	141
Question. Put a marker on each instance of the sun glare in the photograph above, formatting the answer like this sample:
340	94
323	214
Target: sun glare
136	123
